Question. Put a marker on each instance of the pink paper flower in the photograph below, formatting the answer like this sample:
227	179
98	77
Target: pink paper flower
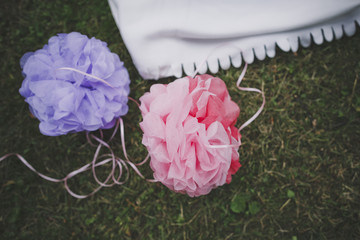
182	122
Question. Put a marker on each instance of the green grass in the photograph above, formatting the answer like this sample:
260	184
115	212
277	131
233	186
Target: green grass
301	171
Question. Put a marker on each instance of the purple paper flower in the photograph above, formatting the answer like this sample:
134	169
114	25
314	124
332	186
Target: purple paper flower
73	84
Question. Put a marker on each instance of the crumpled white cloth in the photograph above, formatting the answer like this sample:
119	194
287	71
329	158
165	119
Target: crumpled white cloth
169	37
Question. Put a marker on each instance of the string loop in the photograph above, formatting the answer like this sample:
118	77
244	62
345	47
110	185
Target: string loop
116	162
250	120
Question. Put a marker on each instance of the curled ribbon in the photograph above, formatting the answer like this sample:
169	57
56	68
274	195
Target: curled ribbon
116	162
250	120
238	82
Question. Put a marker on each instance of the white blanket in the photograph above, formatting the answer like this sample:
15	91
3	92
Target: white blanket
170	37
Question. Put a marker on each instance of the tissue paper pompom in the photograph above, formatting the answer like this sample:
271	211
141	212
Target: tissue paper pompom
67	100
181	121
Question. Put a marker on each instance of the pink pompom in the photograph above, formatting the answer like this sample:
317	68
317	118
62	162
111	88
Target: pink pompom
181	123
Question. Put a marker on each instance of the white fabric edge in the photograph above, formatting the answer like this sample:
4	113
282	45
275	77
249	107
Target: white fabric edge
317	34
258	47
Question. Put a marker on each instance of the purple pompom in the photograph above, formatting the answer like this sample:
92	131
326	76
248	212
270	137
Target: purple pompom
74	84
